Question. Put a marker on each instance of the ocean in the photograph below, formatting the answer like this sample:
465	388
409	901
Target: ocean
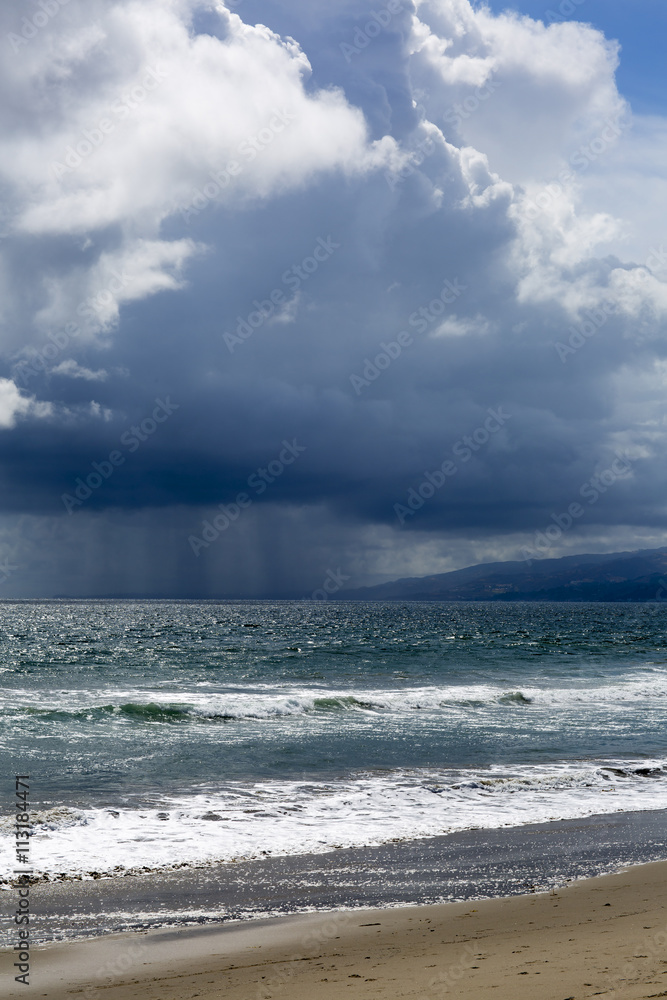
164	735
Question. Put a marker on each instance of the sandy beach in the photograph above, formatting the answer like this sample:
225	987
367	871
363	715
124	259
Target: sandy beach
605	936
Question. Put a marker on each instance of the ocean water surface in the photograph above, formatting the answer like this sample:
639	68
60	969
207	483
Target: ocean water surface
163	734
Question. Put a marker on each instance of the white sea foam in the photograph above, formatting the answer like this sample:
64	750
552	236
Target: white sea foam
237	820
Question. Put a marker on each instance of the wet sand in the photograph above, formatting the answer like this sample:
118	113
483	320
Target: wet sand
473	864
605	936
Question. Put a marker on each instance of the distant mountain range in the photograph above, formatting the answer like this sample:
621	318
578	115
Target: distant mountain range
618	576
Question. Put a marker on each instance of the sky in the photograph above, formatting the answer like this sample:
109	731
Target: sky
303	296
638	25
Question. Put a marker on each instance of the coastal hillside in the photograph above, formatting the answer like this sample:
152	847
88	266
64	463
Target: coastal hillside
616	576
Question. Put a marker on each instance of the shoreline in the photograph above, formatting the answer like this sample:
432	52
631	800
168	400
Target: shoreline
600	936
470	865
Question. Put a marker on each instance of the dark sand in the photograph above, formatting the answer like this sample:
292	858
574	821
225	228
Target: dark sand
599	937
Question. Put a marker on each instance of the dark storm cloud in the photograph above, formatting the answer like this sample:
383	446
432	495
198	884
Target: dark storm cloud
377	295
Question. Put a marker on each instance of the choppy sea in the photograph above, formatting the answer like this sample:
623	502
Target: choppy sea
163	734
